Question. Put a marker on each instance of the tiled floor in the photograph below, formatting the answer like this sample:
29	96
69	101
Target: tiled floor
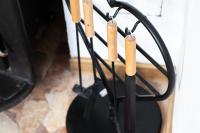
44	111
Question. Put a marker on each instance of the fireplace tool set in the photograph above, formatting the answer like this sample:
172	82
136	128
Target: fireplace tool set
116	105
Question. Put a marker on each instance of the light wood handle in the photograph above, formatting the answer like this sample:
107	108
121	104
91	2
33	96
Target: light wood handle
75	10
88	17
112	40
130	46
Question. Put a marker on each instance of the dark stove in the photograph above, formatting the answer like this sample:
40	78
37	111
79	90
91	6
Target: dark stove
20	21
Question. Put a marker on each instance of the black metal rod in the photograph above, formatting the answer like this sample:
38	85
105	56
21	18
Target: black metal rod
150	87
79	59
115	100
158	66
114	86
115	14
93	55
135	26
108	67
130	104
100	13
99	69
92	98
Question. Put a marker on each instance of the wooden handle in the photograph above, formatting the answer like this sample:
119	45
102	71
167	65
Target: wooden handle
112	40
75	11
130	46
88	17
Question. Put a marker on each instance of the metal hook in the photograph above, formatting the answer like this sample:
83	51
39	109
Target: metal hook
127	31
115	14
135	26
108	16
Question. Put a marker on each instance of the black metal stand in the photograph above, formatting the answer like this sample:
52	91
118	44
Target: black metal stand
127	107
79	59
94	91
130	104
93	56
148	116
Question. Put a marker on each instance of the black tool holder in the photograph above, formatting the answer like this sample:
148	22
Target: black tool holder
92	113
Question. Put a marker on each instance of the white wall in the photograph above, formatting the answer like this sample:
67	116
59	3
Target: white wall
187	103
169	25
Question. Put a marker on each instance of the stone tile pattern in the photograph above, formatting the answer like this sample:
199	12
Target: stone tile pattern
45	109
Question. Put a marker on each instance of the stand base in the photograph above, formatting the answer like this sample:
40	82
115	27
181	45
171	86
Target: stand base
148	116
13	90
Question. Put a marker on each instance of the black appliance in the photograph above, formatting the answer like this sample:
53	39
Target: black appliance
20	21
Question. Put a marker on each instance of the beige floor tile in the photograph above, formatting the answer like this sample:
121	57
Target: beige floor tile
7	125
